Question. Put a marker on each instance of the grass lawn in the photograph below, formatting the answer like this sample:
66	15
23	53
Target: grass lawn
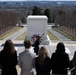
22	36
65	34
9	32
51	36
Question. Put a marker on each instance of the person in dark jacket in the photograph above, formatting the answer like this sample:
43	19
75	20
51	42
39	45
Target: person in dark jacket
36	45
60	60
42	62
8	59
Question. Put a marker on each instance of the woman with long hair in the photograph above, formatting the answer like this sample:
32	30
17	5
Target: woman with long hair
60	60
42	62
8	59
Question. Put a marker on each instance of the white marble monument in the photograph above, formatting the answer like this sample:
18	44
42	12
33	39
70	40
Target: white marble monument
37	25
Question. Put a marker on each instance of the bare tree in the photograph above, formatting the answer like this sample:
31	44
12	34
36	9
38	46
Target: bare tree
8	19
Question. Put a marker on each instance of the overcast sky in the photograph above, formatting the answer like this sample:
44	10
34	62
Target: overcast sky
37	0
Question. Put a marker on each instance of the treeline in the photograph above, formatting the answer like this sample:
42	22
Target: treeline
39	11
11	18
8	19
66	18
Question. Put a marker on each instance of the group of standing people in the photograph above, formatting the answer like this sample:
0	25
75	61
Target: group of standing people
58	64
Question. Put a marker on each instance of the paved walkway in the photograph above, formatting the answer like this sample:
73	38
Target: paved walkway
16	34
58	35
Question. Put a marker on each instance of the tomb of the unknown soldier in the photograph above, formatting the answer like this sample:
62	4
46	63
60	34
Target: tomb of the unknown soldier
37	25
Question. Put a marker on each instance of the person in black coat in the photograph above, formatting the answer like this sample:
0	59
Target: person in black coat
42	62
36	45
60	60
8	59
